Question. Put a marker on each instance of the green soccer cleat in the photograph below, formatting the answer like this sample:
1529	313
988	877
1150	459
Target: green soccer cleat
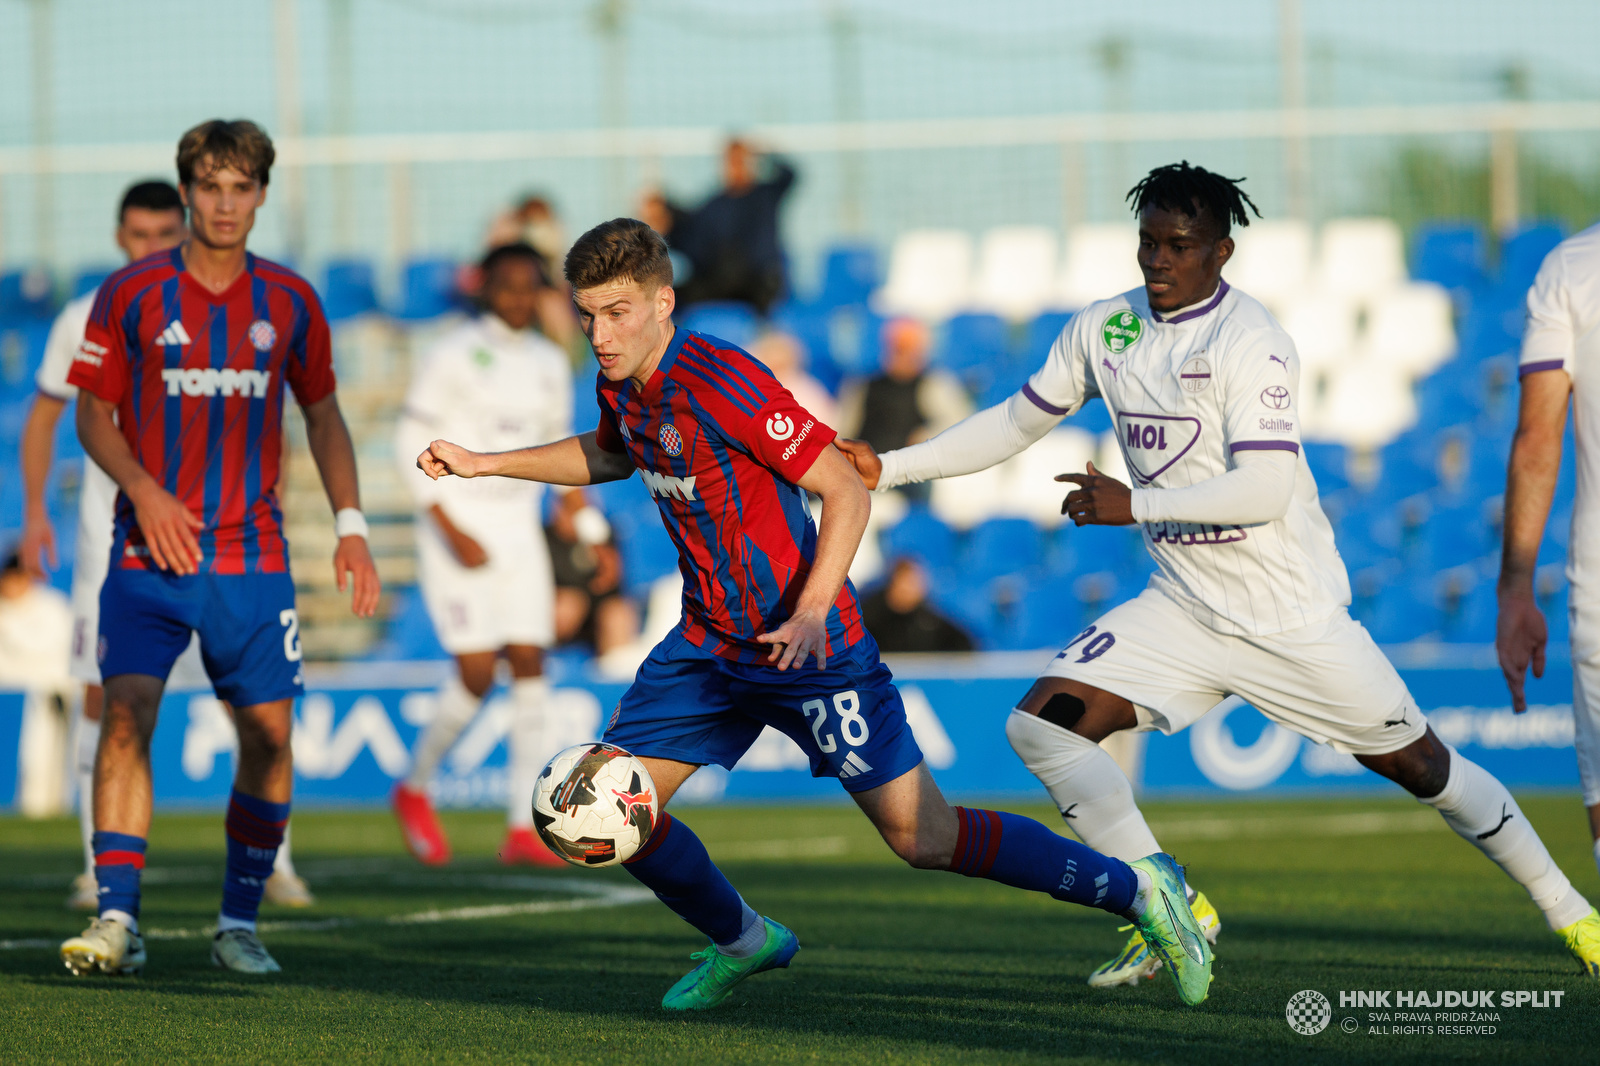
709	983
1136	960
1170	928
1583	940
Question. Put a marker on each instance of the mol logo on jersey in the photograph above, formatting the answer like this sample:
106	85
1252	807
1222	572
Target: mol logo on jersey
1152	443
666	486
251	384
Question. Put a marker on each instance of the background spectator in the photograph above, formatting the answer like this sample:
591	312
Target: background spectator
533	222
731	241
900	618
590	605
35	631
785	356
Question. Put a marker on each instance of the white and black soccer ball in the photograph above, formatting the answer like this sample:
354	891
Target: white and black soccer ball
595	805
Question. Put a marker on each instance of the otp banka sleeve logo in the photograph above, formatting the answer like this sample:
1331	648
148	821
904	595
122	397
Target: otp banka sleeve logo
780	427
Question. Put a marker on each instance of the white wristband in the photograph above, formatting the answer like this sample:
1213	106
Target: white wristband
350	522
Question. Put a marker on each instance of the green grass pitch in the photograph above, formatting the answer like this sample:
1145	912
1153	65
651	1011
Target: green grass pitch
480	963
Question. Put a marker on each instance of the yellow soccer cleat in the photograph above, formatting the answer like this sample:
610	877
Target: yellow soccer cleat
106	946
241	951
288	890
1136	960
1583	940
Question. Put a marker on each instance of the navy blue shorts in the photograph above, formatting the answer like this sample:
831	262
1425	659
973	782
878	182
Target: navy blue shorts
691	706
249	631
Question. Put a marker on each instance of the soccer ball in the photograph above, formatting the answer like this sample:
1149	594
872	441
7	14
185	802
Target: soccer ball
595	805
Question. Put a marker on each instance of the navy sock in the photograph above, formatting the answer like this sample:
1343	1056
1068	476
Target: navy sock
1023	853
255	829
674	865
118	859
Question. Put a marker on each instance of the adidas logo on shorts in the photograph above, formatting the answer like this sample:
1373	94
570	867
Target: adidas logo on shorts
854	766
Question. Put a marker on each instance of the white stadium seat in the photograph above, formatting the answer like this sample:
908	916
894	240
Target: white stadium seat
1368	404
963	502
1323	327
1031	489
1412	327
930	274
1271	261
1360	257
1016	271
1101	261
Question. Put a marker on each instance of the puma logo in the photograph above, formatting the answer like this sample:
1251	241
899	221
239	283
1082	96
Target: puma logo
1275	359
1107	364
1401	720
1066	812
1504	818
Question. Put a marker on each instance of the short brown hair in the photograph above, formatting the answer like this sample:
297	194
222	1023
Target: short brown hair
238	143
623	249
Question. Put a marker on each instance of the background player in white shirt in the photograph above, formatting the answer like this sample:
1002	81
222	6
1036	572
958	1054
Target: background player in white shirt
494	384
1250	595
149	220
1560	359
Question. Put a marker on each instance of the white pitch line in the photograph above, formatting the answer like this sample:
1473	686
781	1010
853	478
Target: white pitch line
784	849
1372	823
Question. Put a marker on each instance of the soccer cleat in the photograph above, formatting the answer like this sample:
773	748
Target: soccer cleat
420	826
1169	926
288	890
241	951
709	983
1136	960
107	946
85	894
1583	940
523	846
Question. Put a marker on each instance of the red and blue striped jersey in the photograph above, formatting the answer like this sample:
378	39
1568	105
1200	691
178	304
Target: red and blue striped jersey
197	378
720	445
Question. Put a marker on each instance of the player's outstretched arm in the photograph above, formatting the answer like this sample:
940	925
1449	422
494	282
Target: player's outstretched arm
335	456
167	525
573	461
38	546
978	442
1521	633
845	507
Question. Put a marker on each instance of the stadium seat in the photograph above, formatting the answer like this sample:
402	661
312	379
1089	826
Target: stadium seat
27	294
1322	325
1000	546
1521	255
21	351
428	289
973	340
1016	271
1329	465
1360	258
726	320
1411	328
1451	254
1367	403
89	280
811	326
1031	487
1041	334
1101	261
1272	260
409	633
963	502
849	274
348	290
930	274
921	535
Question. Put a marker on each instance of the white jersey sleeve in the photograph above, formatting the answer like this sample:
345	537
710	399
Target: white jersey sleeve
61	346
1260	376
1065	382
1548	338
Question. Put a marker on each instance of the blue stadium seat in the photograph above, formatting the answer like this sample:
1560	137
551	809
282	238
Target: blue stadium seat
21	351
811	326
921	535
1403	613
1041	334
428	289
1001	546
1117	549
27	294
735	323
1452	254
849	274
1521	254
409	633
647	552
1328	464
349	289
974	345
89	280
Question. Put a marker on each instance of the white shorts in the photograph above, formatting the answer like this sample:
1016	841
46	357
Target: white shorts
1585	623
1327	681
508	600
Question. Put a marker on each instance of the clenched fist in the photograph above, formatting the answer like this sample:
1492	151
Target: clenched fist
441	458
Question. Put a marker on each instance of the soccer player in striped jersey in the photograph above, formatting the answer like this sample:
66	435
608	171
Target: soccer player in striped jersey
1249	597
730	456
182	374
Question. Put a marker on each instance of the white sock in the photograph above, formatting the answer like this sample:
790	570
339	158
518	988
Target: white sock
224	923
1478	807
454	709
753	935
1141	898
88	745
282	863
1090	790
124	917
526	754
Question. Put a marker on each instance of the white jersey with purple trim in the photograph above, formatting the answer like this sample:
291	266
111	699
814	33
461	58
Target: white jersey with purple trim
1563	333
1186	393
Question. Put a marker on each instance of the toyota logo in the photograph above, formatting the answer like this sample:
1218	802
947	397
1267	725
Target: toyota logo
1275	397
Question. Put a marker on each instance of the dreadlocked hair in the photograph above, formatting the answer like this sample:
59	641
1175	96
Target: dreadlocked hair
1194	191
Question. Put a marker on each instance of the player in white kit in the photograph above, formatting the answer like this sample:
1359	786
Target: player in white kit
149	220
1560	360
1250	594
495	384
